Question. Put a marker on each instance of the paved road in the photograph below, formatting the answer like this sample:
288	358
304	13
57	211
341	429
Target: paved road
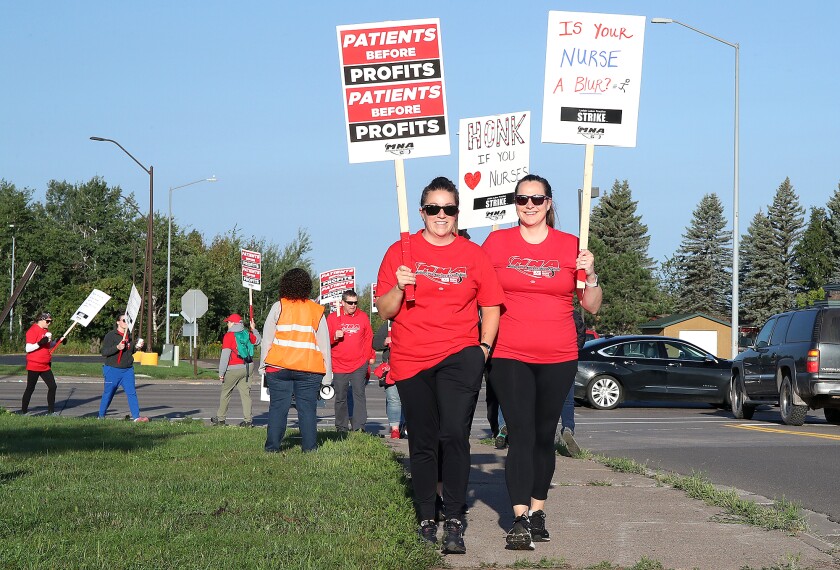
761	456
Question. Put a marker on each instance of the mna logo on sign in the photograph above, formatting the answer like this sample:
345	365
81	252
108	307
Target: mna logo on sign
400	149
591	132
495	215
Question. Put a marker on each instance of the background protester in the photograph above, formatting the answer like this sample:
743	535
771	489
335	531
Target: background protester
39	345
295	357
118	349
535	358
438	354
234	363
393	406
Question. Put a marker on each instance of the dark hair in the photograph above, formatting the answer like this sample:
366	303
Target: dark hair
44	316
349	293
439	183
296	284
549	215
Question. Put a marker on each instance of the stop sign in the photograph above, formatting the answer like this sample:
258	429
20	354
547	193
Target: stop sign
193	304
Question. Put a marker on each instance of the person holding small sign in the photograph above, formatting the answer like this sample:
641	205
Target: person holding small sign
237	354
352	351
295	358
39	362
438	352
535	358
118	349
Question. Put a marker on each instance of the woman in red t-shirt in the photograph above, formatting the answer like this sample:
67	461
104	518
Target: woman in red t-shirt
535	358
39	361
438	353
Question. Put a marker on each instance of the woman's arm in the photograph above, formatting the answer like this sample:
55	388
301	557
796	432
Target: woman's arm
389	304
489	326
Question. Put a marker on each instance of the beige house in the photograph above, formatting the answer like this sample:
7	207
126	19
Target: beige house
709	333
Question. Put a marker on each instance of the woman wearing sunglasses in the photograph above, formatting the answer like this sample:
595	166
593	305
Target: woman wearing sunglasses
39	361
438	352
535	358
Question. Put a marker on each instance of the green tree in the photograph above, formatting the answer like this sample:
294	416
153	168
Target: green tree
704	261
762	289
787	220
814	257
833	226
619	242
15	210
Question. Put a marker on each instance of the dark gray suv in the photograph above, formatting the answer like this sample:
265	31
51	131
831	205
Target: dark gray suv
794	362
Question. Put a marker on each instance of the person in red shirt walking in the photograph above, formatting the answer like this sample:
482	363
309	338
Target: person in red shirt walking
233	368
535	358
351	343
39	361
438	352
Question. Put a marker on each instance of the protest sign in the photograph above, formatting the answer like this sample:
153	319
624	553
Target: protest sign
493	154
593	74
393	88
90	307
133	307
251	269
335	282
373	308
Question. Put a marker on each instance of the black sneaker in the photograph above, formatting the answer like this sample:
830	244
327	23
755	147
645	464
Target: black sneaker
501	439
428	531
216	421
519	537
538	530
453	537
569	439
439	516
246	424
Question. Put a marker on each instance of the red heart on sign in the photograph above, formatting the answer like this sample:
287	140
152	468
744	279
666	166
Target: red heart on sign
472	179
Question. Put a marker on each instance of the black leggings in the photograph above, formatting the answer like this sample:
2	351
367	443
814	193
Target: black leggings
31	380
439	404
532	397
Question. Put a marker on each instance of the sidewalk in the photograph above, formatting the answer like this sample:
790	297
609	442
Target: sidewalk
595	514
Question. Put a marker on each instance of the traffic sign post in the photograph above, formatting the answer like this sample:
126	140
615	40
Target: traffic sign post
193	307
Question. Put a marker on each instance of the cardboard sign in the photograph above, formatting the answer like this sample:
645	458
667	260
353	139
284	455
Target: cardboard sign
90	307
373	308
393	88
251	269
493	154
133	307
335	282
593	74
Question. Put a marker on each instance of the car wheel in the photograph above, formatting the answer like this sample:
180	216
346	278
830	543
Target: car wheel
792	414
737	397
604	392
832	416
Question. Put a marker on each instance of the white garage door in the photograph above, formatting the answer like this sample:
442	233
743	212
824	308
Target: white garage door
707	340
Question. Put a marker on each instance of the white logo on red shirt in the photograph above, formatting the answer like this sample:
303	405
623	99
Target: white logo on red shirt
443	275
534	267
350	328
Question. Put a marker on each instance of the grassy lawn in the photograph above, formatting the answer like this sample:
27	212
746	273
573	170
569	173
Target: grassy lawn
94	369
78	493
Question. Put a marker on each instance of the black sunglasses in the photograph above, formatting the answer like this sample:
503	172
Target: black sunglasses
48	321
352	302
434	210
536	199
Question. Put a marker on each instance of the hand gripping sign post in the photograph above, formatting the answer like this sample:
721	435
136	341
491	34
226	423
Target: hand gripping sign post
251	275
132	308
394	99
85	313
593	72
493	154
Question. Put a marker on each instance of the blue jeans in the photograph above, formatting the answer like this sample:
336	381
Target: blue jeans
567	414
393	406
114	378
281	386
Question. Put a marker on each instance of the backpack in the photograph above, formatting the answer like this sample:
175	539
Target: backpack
244	348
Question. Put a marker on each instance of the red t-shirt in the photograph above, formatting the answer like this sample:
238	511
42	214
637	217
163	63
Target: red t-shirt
539	280
353	350
229	341
39	359
452	282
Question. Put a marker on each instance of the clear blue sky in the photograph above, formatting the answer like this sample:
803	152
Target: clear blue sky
250	92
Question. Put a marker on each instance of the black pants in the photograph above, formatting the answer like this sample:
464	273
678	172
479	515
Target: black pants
31	380
532	397
492	409
439	404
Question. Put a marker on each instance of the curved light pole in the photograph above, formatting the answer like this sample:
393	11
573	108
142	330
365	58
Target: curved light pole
735	237
169	247
149	250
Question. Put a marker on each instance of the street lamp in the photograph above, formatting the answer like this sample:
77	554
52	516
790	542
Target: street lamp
149	250
169	247
12	285
735	237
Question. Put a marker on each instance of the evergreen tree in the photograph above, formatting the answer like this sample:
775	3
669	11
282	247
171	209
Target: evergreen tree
787	220
762	290
814	252
833	227
704	260
619	242
668	280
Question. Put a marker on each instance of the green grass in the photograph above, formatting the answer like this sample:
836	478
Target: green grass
94	369
105	494
541	563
